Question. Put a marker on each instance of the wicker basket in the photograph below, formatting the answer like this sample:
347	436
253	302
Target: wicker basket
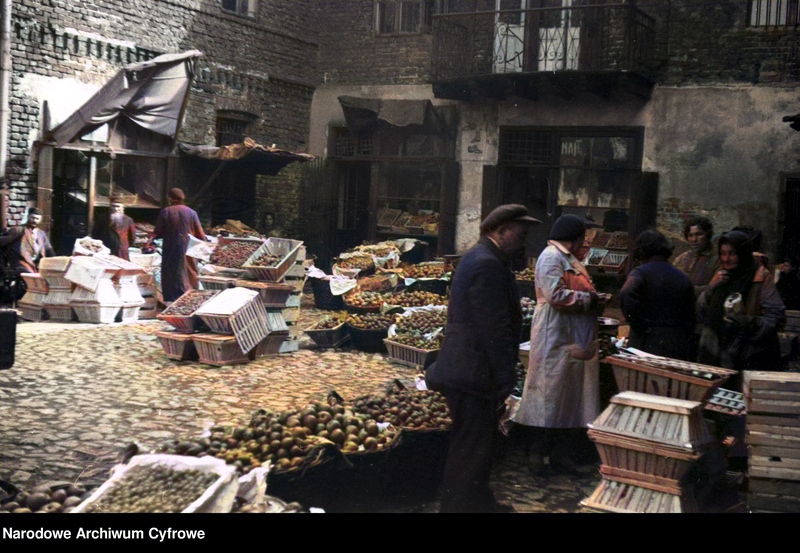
323	298
178	345
219	350
329	337
433	285
369	341
288	249
410	356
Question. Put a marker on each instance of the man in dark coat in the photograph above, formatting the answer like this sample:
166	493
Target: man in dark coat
175	223
476	366
23	247
118	232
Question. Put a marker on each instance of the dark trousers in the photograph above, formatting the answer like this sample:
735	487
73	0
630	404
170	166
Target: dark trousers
465	485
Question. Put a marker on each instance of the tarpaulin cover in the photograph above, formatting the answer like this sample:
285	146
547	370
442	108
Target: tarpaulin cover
151	94
268	159
365	113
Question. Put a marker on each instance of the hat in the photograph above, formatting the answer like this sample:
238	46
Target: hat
176	194
508	213
568	228
34	211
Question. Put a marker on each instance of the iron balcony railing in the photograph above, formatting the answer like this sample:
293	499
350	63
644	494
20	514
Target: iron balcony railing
610	37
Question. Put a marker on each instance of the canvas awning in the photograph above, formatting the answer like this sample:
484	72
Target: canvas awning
366	113
268	160
151	94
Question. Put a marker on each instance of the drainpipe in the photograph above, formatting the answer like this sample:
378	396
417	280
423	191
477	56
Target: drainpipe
5	76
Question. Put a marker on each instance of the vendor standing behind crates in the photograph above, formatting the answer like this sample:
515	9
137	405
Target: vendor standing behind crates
118	232
23	247
174	225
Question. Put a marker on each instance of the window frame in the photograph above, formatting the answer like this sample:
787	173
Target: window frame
788	10
245	119
427	10
249	13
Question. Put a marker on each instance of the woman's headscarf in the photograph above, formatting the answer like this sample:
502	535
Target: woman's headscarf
740	279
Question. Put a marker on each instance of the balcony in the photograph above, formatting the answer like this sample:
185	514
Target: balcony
599	48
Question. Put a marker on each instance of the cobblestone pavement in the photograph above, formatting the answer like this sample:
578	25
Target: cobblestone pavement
80	393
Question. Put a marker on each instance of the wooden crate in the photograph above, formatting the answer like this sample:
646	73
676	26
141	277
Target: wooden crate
185	323
626	497
273	295
776	393
33	299
329	337
284	247
96	313
219	349
34	313
659	420
35	282
237	311
61	313
271	345
178	345
217	283
666	377
408	355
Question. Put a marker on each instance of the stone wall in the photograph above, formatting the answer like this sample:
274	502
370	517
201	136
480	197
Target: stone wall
64	51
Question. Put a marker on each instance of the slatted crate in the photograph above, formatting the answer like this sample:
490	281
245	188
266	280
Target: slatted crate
185	323
33	299
129	313
219	349
667	377
95	313
329	337
775	393
273	294
55	280
628	497
217	282
178	345
104	293
285	248
150	310
35	282
250	246
57	297
60	313
271	345
409	355
237	311
35	313
57	264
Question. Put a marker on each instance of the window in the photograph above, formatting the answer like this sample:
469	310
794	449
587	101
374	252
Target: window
232	128
245	8
774	13
403	16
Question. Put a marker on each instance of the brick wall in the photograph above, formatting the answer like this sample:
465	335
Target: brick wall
266	66
351	52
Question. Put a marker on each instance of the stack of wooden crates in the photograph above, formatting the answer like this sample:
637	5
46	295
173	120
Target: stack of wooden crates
773	440
295	277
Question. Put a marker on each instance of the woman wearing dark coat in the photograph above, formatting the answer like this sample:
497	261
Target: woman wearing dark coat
658	300
741	310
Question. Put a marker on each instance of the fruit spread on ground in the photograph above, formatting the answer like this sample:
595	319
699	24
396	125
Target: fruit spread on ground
371	321
234	254
416	299
153	489
422	322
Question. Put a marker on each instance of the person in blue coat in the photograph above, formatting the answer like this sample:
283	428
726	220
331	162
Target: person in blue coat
475	370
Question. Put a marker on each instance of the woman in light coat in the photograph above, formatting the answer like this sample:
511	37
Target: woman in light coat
561	393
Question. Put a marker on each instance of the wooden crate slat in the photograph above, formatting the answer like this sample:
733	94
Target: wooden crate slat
773	451
755	418
765	472
774	487
769	462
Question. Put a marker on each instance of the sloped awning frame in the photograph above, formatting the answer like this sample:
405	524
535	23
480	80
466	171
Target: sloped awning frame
151	94
364	114
267	160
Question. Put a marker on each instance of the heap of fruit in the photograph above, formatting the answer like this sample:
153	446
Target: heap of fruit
417	299
46	499
285	439
234	254
425	270
418	341
332	321
377	250
153	489
528	307
377	283
529	273
408	409
267	261
189	302
422	322
371	321
363	262
364	300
